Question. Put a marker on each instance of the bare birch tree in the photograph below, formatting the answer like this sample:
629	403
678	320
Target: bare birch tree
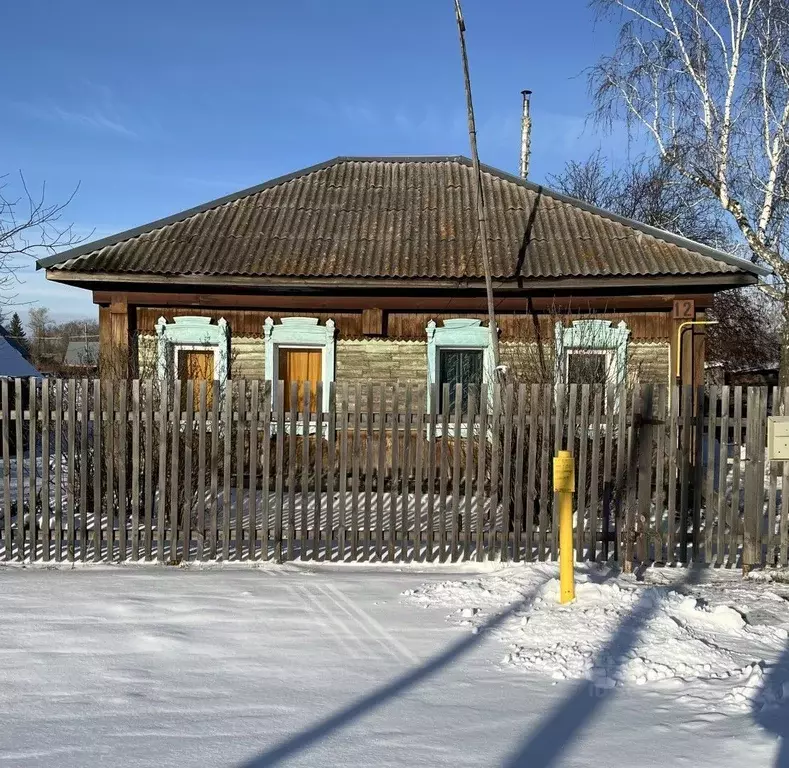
708	82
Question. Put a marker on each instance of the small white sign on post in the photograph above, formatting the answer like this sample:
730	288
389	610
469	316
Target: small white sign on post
778	438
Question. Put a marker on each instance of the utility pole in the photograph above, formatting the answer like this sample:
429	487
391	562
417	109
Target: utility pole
481	210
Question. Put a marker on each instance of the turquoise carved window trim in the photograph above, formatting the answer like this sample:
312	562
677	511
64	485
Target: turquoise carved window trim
190	333
300	333
458	333
593	336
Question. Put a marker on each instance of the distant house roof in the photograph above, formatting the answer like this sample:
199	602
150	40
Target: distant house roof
396	218
12	360
82	353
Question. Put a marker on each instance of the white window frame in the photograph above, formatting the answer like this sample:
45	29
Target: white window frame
300	333
190	333
592	336
458	334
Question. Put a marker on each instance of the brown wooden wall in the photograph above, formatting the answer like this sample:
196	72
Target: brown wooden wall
410	326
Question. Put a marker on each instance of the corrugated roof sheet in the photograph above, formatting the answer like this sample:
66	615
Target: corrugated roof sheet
395	217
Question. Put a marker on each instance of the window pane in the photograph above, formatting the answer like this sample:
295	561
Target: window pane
300	365
459	366
197	365
587	368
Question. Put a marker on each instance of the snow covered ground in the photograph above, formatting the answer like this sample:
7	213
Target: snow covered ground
358	665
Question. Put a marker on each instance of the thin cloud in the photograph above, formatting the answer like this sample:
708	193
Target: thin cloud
92	119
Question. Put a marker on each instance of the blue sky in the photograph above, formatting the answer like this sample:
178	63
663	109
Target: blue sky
153	107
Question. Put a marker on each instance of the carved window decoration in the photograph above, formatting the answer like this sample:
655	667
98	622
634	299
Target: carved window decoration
193	347
458	353
591	352
291	347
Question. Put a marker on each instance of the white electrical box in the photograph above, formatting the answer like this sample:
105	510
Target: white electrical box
778	438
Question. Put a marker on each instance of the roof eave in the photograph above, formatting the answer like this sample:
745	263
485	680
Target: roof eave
718	281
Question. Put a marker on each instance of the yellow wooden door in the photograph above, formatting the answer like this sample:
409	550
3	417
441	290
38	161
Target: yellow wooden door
198	365
300	365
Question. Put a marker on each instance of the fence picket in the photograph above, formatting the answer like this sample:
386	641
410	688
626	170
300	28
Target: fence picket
175	464
227	469
318	496
783	555
278	482
594	492
734	509
495	472
161	507
241	437
342	522
468	489
368	477
545	456
518	472
122	453
419	474
108	416
214	489
723	471
771	539
135	470
8	542
45	466
645	465
394	484
431	471
253	469
660	473
581	470
32	463
482	457
625	523
380	475
305	466
265	478
96	468
443	470
531	480
331	472
709	478
202	402
188	506
148	459
20	469
405	485
70	467
292	433
506	473
356	458
58	494
558	441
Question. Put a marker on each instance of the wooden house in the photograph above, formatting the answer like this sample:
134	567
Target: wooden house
369	268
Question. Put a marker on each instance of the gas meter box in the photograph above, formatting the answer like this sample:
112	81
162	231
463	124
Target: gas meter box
778	438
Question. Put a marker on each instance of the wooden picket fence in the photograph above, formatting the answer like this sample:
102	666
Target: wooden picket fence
175	471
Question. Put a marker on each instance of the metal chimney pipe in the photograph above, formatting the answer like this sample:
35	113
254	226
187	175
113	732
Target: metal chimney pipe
523	170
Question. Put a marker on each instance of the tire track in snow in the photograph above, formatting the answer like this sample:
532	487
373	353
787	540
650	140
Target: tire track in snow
346	640
383	636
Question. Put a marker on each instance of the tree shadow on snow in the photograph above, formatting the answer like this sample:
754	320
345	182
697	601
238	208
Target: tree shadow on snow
771	710
557	731
321	730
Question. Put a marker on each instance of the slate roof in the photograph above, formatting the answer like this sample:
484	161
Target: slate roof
12	360
395	217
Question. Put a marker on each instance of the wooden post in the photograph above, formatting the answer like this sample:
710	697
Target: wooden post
118	349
